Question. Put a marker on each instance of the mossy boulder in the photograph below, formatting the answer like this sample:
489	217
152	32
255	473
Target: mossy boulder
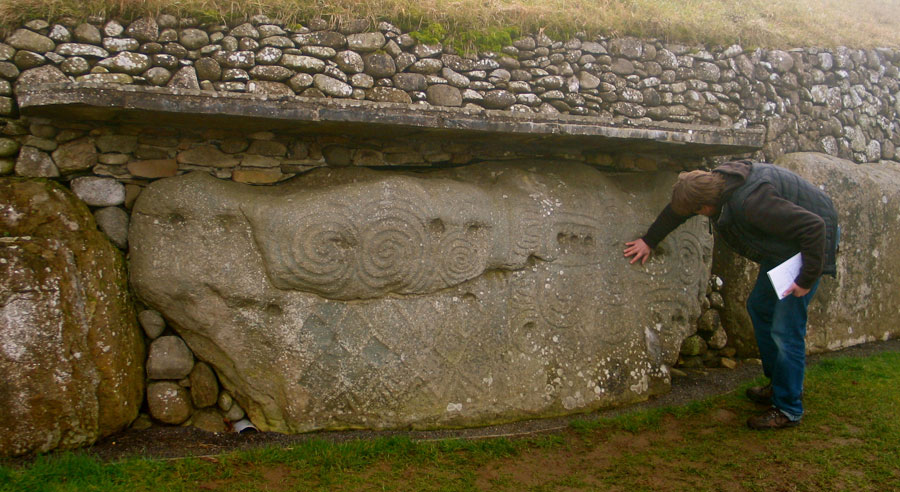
71	351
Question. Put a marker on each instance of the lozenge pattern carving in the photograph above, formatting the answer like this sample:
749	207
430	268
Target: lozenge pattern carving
451	298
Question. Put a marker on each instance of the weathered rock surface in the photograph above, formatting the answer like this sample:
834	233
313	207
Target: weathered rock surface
860	305
71	352
349	297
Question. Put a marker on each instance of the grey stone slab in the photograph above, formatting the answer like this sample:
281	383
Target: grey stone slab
459	297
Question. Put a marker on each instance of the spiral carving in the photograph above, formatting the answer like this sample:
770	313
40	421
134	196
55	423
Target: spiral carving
321	252
461	258
393	247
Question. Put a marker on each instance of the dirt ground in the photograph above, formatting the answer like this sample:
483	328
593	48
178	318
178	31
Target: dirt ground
167	442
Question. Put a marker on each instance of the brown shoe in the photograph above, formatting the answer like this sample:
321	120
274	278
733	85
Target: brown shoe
760	394
771	419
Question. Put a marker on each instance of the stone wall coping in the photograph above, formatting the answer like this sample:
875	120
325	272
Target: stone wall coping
140	105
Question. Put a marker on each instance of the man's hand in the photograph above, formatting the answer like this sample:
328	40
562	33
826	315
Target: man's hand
796	291
638	249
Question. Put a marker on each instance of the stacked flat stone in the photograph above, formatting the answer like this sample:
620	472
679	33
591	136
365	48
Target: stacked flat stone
839	101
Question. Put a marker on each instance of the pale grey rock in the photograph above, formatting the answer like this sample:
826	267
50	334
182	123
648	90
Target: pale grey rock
113	28
498	99
455	79
277	42
717	340
115	45
404	61
34	77
169	358
127	62
331	86
299	82
362	81
6	52
245	30
495	264
388	94
33	163
186	78
588	80
379	65
301	63
193	39
82	50
330	39
781	61
457	63
152	322
351	62
427	50
708	72
861	194
99	192
144	30
82	380
336	73
23	39
113	221
106	78
269	55
168	402
60	34
321	52
271	72
444	95
427	66
87	33
409	81
158	76
242	59
366	42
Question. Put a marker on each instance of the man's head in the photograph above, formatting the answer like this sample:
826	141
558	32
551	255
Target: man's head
697	192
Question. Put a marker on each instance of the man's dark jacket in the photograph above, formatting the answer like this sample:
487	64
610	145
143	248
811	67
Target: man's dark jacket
768	214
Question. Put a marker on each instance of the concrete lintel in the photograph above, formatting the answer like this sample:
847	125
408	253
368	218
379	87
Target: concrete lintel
163	106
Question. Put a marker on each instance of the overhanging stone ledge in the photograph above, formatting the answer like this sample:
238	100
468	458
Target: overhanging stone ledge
139	104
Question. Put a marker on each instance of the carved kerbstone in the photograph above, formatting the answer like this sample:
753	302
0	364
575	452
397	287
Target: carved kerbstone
355	298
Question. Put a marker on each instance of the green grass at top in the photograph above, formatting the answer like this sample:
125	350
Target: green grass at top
848	441
856	23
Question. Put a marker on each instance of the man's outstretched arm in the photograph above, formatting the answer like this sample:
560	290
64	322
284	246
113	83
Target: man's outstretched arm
666	222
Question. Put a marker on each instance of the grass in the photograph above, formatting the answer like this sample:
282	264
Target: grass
766	23
848	441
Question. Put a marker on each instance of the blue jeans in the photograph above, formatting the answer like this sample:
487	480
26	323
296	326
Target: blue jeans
780	329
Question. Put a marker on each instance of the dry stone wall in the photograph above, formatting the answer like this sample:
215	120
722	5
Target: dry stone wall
837	101
842	102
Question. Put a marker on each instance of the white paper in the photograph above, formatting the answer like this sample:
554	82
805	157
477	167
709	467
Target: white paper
784	274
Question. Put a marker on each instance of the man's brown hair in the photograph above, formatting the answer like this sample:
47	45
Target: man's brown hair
695	189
